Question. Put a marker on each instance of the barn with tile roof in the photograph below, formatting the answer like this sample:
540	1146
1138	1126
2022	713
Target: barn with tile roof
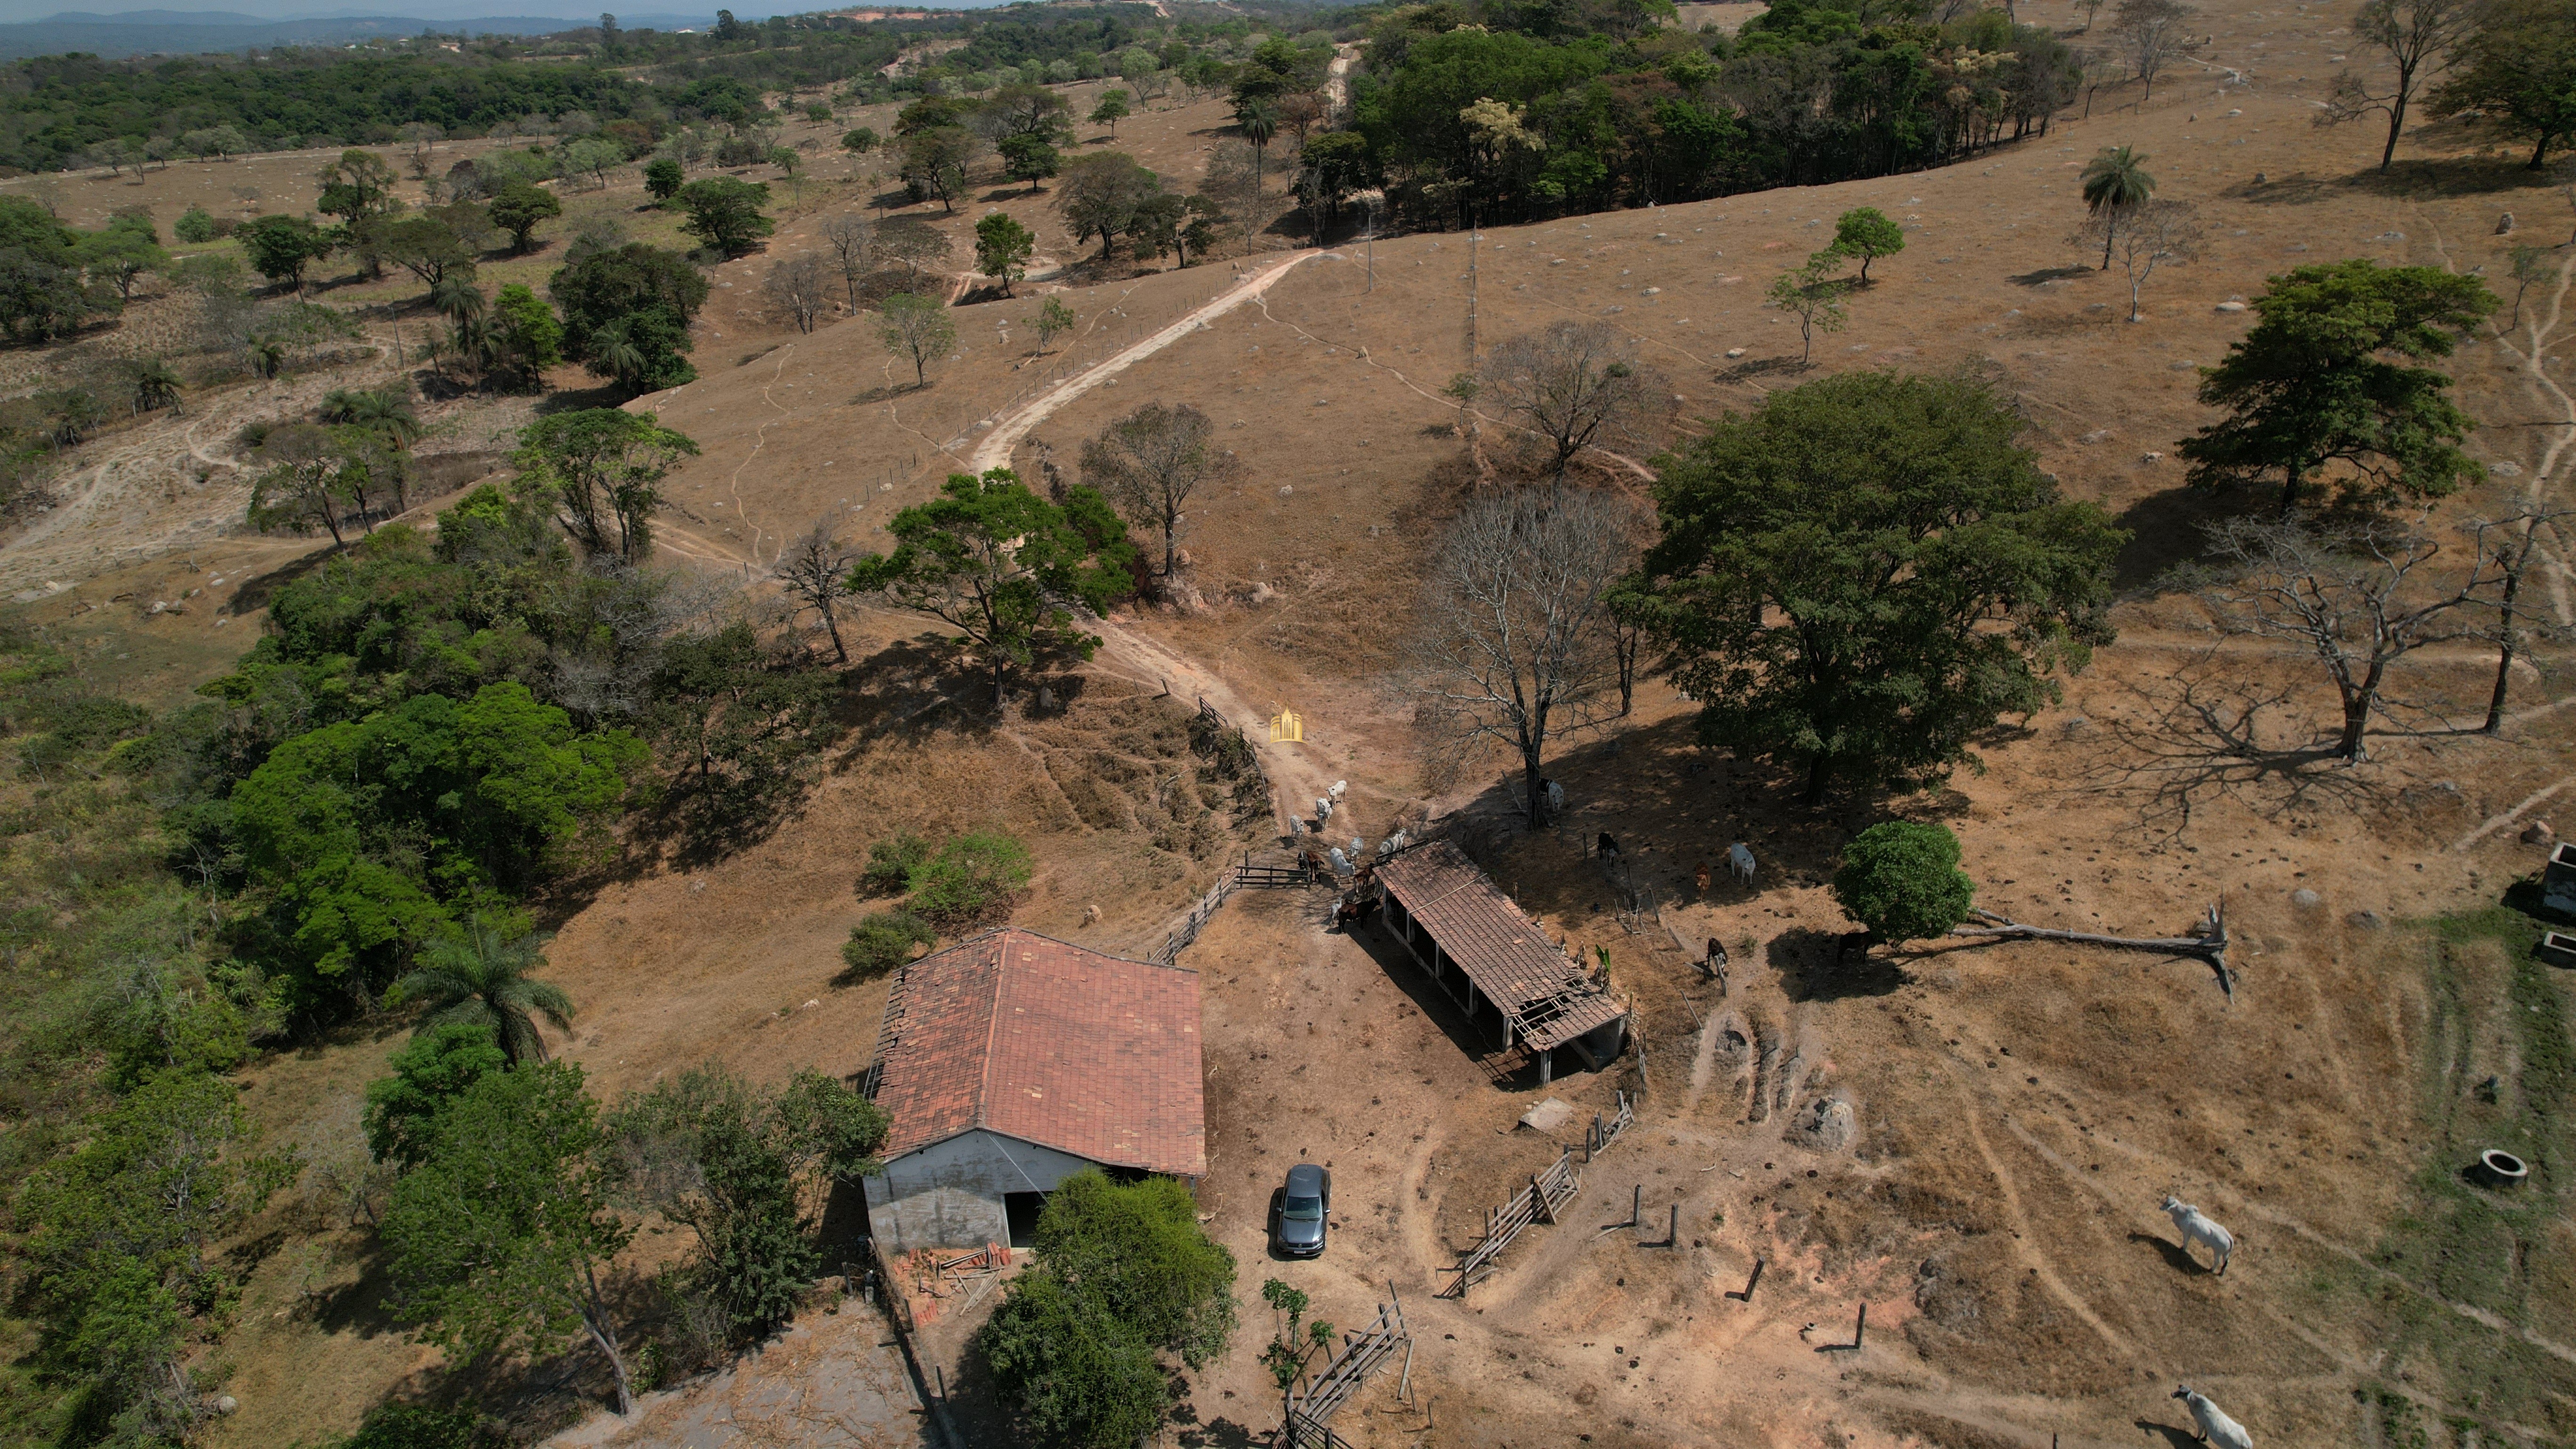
1011	1061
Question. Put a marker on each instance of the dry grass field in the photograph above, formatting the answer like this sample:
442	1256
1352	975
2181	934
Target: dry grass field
2019	1110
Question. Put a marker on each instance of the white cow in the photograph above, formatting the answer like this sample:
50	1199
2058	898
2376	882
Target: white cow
2196	1227
1341	862
1323	809
1339	786
1740	861
2215	1427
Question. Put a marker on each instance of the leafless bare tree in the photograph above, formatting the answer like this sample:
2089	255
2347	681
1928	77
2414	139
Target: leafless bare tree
1150	461
1510	643
913	244
2150	33
2143	237
2512	542
798	288
1576	385
848	238
815	570
2418	36
2354	594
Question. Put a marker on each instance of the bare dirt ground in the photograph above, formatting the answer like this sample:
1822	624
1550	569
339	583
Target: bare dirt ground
2018	1110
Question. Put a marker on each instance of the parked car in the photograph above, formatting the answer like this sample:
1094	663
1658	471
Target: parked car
1305	1211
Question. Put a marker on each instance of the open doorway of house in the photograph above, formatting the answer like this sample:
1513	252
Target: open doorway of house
1021	1209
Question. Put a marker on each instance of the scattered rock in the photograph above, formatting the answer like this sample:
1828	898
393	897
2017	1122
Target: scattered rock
2305	899
2539	833
2235	113
2151	457
158	606
2260	178
1650	291
2504	224
2365	920
2229	307
2505	470
2390	236
1262	593
227	1405
1826	1124
1735	352
1286	489
2098	435
1091	915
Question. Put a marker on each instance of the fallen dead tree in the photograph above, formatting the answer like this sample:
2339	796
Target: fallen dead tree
2208	941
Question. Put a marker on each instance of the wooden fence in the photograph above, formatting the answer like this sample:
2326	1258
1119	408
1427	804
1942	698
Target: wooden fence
1362	1353
1540	1202
1188	930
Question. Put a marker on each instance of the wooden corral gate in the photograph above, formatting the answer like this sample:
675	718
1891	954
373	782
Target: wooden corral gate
1601	1134
1546	1196
1363	1352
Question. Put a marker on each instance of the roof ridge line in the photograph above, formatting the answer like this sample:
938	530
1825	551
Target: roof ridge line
992	1024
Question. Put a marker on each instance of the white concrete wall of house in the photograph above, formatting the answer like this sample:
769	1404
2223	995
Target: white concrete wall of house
949	1194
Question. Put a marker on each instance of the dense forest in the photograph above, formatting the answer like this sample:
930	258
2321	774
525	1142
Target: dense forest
1507	110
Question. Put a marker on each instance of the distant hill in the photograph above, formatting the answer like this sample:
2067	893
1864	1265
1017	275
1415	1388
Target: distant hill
176	32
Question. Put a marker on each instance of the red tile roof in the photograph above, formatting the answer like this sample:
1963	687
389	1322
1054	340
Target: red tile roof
1042	1040
1548	996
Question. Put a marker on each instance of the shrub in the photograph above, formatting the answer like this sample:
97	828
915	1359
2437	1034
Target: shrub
970	877
884	941
892	862
196	224
1902	881
411	1426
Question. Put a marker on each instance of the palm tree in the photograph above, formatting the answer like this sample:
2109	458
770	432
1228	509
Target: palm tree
2114	182
457	299
615	352
1259	121
155	384
379	410
267	356
480	976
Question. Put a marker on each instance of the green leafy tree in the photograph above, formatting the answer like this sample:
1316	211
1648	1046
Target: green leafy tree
311	477
282	247
733	718
746	1170
2114	183
1122	1274
1861	575
663	178
602	468
121	254
626	313
892	861
479	976
936	163
859	142
1867	233
1813	295
970	878
1901	880
724	212
1003	248
519	208
2519	67
883	940
360	840
996	563
1101	192
1111	110
427	248
498	1234
117	1238
528	338
2324	378
916	329
195	226
1033	159
1052	320
434	1068
358	185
